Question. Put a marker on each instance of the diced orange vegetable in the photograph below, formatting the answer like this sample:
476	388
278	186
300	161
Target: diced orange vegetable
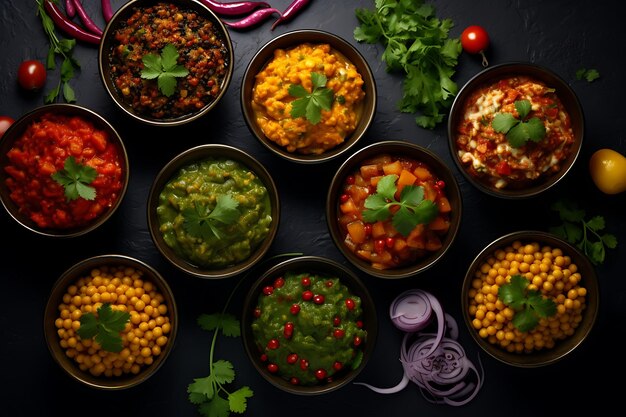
399	244
416	238
348	207
392	168
378	230
433	242
369	171
406	178
439	224
374	180
429	192
380	160
356	229
422	173
365	254
444	205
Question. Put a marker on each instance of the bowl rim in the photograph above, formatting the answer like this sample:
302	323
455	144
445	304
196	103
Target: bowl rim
200	153
292	39
564	347
452	190
104	46
59	287
312	264
569	99
69	109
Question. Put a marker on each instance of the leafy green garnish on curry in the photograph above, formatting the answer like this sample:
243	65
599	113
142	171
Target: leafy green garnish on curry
201	221
529	305
310	105
164	68
519	131
75	179
105	328
413	209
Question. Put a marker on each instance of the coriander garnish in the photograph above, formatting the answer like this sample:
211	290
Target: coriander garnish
310	105
75	178
105	328
588	74
164	68
519	131
529	305
201	221
413	208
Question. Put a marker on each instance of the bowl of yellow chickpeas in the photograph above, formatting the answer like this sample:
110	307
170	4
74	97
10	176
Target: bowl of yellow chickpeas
110	321
530	298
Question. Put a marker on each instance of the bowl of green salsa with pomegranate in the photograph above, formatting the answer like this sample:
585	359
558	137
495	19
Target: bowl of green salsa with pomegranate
309	325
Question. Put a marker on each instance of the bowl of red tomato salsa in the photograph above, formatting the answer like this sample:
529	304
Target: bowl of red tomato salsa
165	63
393	209
64	170
515	130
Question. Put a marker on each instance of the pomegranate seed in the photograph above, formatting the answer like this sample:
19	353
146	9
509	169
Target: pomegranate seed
329	283
359	324
294	309
294	381
350	304
273	344
279	282
336	321
350	180
357	340
288	330
304	364
268	290
337	366
306	281
320	374
344	197
389	242
318	299
379	245
368	229
440	184
339	333
293	358
307	295
257	312
272	367
263	357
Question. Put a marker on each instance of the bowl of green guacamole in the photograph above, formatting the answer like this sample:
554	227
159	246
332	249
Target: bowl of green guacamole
309	325
213	211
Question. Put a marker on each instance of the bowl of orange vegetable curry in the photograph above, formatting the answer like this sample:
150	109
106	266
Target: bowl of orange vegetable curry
308	96
393	209
63	170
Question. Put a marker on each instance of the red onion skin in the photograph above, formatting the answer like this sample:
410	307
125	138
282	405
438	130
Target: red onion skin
69	27
234	8
107	10
84	17
252	19
290	11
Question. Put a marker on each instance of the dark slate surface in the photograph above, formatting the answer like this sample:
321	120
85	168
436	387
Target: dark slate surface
562	35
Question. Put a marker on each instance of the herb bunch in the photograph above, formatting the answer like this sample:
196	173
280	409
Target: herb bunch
201	221
75	179
62	48
105	328
310	105
412	210
586	234
164	68
416	44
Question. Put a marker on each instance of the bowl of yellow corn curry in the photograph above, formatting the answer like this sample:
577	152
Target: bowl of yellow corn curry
308	96
213	211
530	298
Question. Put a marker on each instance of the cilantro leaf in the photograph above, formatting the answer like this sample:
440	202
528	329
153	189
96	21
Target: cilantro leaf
164	68
200	390
586	235
529	305
218	407
588	74
202	222
238	400
519	131
223	372
310	105
225	322
105	328
75	178
413	208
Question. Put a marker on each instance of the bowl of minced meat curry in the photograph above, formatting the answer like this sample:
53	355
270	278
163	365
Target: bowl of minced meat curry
165	62
213	211
515	130
308	96
309	325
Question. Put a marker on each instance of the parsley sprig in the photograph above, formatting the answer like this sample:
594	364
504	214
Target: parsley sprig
164	68
310	105
105	328
529	305
413	209
75	179
201	221
519	131
587	235
62	48
416	44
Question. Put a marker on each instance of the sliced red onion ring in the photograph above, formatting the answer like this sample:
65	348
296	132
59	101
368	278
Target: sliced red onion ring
437	364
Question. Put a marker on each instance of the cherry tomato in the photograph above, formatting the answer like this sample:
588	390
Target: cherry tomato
5	122
31	75
475	40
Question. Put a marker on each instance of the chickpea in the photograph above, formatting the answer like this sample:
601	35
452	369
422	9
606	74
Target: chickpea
125	289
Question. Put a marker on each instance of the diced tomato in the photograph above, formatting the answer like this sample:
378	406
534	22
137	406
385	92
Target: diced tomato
503	168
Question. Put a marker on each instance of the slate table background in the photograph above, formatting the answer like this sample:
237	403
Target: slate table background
562	35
